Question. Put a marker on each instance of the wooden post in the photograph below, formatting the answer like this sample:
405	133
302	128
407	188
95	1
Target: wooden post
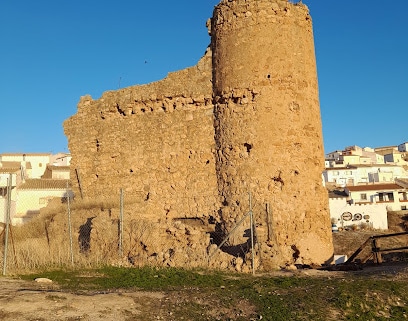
376	252
79	182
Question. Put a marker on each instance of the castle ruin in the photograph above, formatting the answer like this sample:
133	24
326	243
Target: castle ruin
244	121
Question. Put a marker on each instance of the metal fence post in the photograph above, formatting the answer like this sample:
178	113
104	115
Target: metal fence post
251	216
71	250
121	225
9	184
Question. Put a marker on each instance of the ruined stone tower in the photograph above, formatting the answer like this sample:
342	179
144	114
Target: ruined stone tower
268	128
244	121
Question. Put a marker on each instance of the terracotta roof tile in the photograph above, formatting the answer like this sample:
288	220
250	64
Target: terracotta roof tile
26	154
374	187
56	167
10	164
9	170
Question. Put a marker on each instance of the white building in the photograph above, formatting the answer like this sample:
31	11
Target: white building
341	176
403	148
353	155
34	182
394	196
35	194
33	164
397	158
363	174
9	177
346	215
60	159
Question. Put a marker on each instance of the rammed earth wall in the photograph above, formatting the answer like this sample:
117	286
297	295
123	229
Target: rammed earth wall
245	119
155	141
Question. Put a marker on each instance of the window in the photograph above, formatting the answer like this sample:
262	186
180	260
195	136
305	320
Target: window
403	207
3	192
363	196
386	197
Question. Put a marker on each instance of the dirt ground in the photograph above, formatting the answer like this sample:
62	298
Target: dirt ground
32	301
35	301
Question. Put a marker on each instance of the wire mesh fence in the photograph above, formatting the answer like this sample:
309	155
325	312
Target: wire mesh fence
68	233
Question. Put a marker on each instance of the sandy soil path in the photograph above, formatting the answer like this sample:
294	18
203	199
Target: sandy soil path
29	301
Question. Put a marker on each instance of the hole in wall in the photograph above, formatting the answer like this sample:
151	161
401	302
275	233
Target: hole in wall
120	111
296	252
131	171
268	76
248	147
278	180
190	221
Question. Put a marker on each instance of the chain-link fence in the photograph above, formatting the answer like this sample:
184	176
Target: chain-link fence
71	233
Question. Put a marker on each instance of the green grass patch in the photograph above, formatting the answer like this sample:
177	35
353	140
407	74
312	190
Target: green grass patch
242	297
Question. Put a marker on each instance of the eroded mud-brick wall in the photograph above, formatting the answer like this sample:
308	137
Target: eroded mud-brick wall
155	141
268	127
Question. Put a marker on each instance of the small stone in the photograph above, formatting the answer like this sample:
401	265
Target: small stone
43	280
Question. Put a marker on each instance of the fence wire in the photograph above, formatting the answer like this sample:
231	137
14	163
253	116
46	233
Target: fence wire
65	233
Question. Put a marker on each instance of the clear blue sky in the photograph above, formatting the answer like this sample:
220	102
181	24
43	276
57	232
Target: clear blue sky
53	52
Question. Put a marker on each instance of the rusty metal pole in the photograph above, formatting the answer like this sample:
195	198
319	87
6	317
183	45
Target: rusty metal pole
9	185
121	225
251	215
71	249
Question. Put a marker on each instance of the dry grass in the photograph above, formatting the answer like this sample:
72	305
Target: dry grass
347	242
45	242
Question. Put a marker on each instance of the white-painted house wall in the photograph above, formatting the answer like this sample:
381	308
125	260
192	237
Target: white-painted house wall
31	201
354	175
38	162
60	159
4	179
377	213
3	210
